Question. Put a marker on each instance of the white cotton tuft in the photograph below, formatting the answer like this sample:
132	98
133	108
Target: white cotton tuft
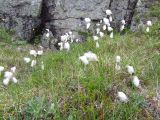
8	75
149	23
88	25
27	60
67	46
40	52
13	69
6	81
147	29
110	18
87	20
111	35
14	80
106	21
84	60
47	35
123	22
47	30
130	69
108	12
61	46
122	28
77	40
122	97
70	32
95	38
97	44
97	30
104	27
136	81
118	59
98	24
110	29
91	56
1	68
101	21
64	38
42	66
101	34
33	52
33	63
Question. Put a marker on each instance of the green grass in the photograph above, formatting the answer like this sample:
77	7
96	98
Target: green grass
4	36
154	10
68	90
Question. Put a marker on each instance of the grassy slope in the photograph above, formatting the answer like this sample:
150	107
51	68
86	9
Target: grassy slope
76	90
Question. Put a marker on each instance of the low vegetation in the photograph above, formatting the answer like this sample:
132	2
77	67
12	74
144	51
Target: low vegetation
66	89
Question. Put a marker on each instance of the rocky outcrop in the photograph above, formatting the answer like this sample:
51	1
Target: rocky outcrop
65	15
30	17
21	16
141	9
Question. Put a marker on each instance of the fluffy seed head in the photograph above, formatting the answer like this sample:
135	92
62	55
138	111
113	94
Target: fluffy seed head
91	56
8	75
122	28
111	35
106	21
27	60
6	81
40	52
101	34
122	97
97	44
110	29
95	38
33	52
88	25
118	59
123	22
147	29
149	23
108	12
84	60
13	69
87	20
67	46
1	68
104	27
130	69
14	80
33	63
136	81
110	18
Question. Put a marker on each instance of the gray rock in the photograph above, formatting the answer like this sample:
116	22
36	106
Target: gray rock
21	16
141	9
62	16
66	15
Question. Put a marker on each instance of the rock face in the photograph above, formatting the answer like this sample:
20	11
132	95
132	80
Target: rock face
21	16
139	19
61	16
65	15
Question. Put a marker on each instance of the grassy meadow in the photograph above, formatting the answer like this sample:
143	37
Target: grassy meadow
68	90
